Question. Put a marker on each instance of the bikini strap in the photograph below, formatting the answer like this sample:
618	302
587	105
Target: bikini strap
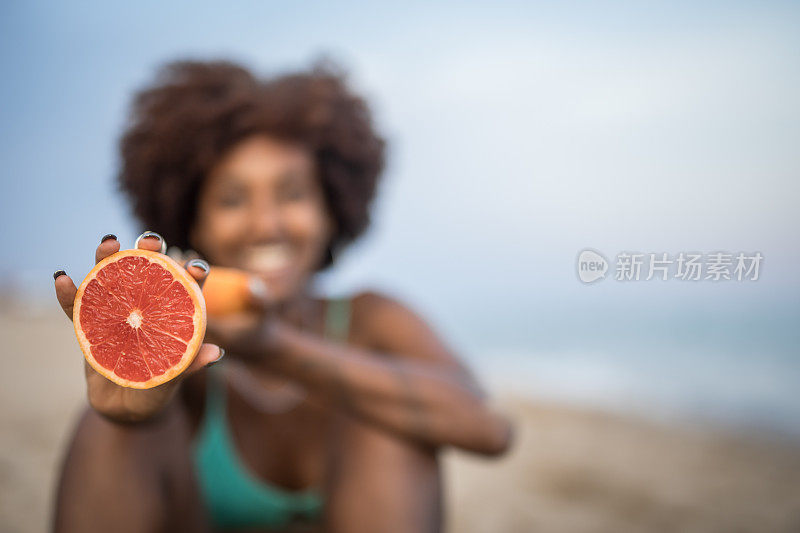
337	319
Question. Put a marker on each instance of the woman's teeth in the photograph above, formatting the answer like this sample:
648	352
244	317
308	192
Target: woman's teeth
268	258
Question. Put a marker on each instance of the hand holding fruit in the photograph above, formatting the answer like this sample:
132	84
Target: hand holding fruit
240	312
123	403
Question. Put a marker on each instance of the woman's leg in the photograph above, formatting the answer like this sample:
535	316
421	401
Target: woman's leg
136	478
379	482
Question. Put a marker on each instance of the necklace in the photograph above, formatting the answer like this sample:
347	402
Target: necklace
278	400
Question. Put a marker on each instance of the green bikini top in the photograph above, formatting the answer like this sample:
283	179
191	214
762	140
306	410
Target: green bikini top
234	497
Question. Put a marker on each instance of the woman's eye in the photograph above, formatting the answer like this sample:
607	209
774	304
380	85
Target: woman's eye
231	201
293	194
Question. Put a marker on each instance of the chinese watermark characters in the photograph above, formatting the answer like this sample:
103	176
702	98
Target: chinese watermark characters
684	266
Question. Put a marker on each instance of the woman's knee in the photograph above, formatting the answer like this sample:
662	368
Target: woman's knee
115	477
382	482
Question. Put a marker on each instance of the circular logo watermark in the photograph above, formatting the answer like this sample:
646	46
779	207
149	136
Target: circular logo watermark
592	266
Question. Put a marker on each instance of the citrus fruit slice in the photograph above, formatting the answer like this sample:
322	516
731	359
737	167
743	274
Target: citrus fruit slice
140	318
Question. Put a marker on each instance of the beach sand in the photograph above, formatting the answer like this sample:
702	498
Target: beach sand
571	470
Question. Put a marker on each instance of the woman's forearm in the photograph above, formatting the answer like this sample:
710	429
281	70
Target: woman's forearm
434	404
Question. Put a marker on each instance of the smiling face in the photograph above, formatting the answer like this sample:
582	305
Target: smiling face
262	210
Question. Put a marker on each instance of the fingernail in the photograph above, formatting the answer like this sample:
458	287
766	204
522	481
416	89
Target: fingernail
151	235
199	263
218	359
109	236
58	273
258	288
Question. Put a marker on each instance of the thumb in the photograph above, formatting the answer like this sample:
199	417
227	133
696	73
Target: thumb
207	356
260	296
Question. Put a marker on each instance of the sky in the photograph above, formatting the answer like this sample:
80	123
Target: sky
519	134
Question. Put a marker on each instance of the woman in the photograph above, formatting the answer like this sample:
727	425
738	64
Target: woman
324	415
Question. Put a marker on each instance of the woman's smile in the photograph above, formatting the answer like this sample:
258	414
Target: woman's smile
268	258
271	262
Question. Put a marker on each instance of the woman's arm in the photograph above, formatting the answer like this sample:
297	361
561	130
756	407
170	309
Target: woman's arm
405	379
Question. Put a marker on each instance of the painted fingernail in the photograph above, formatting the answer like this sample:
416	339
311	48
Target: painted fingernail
151	235
199	263
109	236
218	359
58	273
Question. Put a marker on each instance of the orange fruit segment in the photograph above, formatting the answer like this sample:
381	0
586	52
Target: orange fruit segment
140	318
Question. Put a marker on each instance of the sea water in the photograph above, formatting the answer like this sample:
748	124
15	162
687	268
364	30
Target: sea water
737	364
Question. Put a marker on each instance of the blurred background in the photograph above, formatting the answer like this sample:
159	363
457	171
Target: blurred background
520	133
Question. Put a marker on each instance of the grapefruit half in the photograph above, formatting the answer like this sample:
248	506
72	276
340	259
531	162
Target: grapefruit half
140	318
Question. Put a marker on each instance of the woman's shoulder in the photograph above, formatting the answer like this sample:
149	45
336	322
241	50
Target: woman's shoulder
379	319
373	300
373	306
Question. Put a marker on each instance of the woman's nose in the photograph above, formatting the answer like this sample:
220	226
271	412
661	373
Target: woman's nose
266	222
